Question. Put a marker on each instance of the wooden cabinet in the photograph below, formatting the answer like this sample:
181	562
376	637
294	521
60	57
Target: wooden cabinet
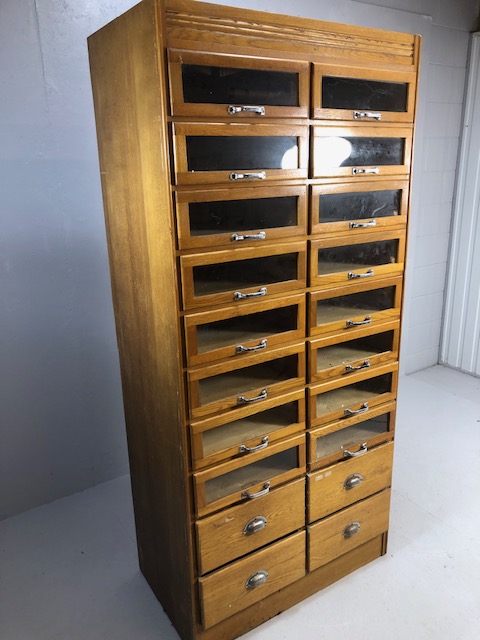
256	179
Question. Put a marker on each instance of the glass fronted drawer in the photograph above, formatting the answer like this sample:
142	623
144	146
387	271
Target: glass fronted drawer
340	485
248	429
350	260
249	478
235	332
358	208
352	395
228	385
248	216
362	94
210	84
342	355
351	438
239	154
242	275
363	304
361	151
348	529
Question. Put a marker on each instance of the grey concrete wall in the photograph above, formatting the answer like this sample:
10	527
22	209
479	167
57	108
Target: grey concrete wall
61	420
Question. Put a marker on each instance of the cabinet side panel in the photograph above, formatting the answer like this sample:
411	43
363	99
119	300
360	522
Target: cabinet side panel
129	87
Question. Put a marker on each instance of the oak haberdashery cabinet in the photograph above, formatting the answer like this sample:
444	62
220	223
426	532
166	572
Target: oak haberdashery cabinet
256	182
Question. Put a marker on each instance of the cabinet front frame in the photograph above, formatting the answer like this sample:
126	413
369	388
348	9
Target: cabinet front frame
183	176
363	73
177	57
362	131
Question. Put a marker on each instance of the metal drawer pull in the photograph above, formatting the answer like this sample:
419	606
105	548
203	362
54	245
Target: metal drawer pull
349	368
243	400
351	530
241	349
235	237
259	494
356	276
259	175
255	580
362	225
359	323
353	481
359	170
244	449
255	524
349	412
358	115
238	295
350	454
243	108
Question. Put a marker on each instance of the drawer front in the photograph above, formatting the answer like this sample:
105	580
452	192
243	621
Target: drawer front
361	152
246	430
251	477
247	581
244	528
356	208
345	260
253	380
343	355
347	530
344	309
363	95
237	276
210	84
240	217
235	332
343	399
340	485
205	154
351	437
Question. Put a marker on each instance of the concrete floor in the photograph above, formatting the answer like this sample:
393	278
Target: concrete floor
68	570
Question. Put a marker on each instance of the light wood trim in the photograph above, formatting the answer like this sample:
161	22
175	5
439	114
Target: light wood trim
185	177
179	107
187	241
381	75
274	340
323	228
367	132
224	592
221	537
326	488
339	326
326	539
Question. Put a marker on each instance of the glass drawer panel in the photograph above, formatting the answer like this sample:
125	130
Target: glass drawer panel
360	93
222	153
350	351
338	207
356	256
334	152
346	397
357	434
355	304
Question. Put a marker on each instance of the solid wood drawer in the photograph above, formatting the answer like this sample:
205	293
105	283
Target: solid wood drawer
363	94
364	304
232	589
237	331
351	437
249	381
239	154
345	260
343	355
347	530
246	429
356	208
244	528
240	217
229	86
361	151
342	484
250	477
238	276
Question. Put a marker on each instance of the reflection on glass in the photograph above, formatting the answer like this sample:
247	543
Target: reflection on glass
369	95
357	256
333	152
337	207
